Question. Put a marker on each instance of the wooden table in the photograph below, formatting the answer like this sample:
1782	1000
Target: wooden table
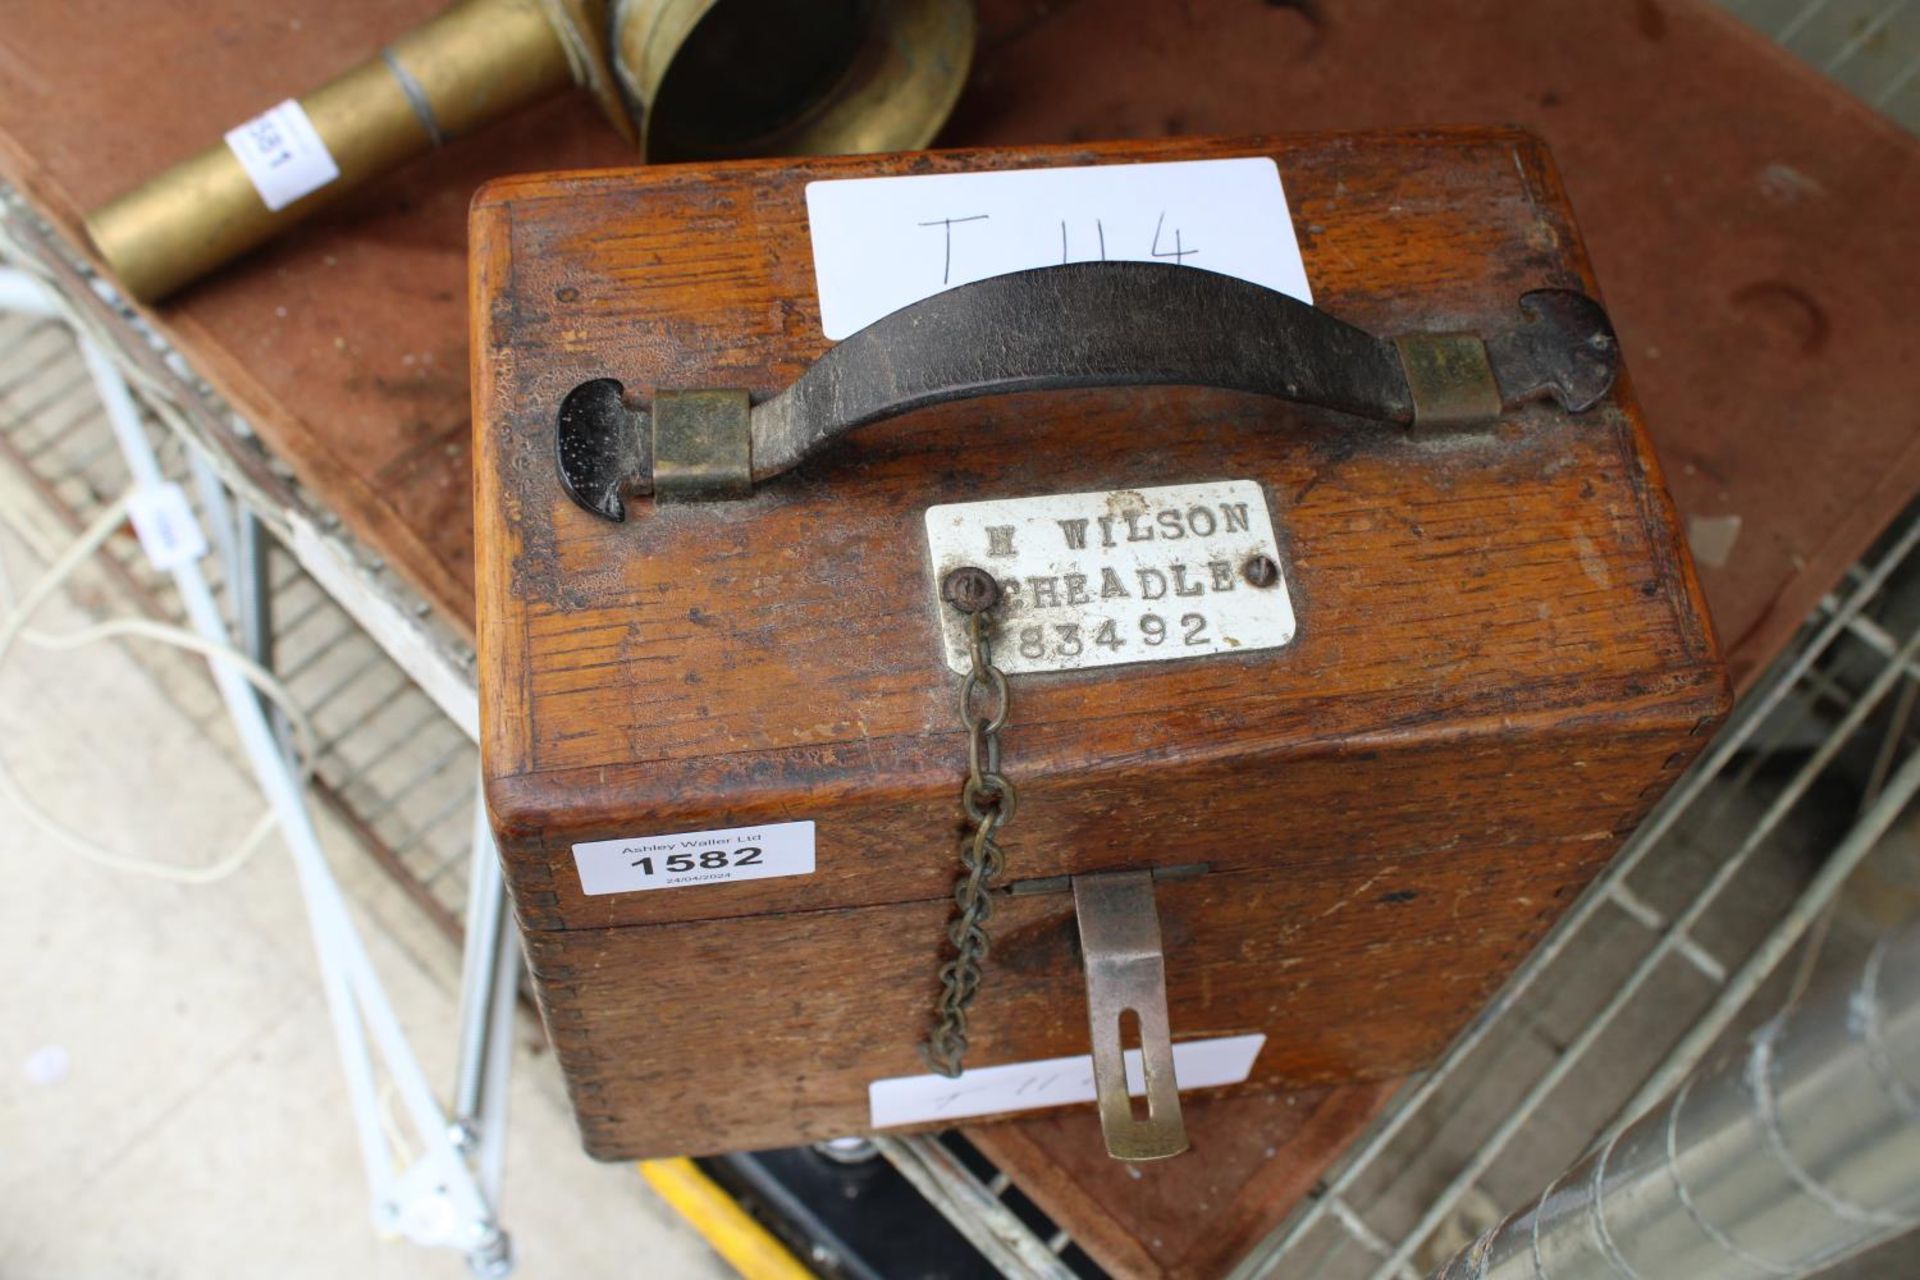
1751	225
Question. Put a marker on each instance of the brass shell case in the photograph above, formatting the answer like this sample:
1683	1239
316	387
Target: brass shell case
898	91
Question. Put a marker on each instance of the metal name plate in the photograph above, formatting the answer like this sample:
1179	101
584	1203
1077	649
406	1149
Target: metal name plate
1133	575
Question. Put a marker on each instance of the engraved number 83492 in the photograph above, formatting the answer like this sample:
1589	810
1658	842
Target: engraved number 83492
1069	641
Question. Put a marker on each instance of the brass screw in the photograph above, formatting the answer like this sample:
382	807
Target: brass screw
1260	571
970	590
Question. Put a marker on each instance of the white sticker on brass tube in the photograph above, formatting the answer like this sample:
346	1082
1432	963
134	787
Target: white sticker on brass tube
283	155
1127	575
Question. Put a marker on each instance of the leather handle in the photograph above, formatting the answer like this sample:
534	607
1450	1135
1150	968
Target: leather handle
1091	324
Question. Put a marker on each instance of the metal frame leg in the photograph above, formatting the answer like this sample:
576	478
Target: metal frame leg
489	987
438	1199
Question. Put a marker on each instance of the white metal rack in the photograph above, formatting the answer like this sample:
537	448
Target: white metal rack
1847	684
444	1196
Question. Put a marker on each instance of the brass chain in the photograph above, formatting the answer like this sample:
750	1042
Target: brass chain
988	800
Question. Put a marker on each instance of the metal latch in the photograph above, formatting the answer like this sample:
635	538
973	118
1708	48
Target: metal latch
1127	974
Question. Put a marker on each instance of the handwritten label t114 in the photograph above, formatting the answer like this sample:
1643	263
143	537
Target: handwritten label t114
880	244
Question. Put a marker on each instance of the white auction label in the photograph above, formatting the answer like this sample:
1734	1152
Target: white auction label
164	522
283	155
695	857
1129	575
1051	1082
882	243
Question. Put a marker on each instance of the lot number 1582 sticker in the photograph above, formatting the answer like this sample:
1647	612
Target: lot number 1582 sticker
695	857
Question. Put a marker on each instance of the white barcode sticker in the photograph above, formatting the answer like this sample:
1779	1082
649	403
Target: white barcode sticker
880	244
695	857
164	521
283	155
1051	1082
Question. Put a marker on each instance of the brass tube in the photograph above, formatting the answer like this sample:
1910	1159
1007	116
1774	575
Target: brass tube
474	63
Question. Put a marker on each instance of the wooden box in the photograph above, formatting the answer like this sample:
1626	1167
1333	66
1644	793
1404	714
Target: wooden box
1501	659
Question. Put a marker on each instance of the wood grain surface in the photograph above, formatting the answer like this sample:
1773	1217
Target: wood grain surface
1189	1219
1502	659
763	1031
1750	220
714	666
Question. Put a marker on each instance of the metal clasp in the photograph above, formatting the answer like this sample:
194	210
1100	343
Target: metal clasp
1127	973
702	446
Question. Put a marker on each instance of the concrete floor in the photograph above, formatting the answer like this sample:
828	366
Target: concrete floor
172	1102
